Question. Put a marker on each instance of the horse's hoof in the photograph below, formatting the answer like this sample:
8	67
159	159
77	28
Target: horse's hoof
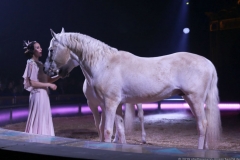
115	141
143	142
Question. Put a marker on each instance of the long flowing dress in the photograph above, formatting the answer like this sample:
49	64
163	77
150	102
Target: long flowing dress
39	117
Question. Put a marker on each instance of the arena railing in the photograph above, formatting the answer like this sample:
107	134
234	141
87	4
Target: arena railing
10	101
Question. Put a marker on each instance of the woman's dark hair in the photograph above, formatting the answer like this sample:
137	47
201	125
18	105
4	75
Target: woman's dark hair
29	48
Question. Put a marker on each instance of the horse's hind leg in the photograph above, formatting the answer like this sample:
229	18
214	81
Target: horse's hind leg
120	131
116	137
197	106
101	125
141	118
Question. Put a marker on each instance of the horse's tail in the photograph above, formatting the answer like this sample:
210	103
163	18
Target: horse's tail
213	114
129	117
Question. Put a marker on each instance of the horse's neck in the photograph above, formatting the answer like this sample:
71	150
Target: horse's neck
86	73
86	48
91	53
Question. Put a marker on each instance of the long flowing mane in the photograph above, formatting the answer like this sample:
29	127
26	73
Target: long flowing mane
86	47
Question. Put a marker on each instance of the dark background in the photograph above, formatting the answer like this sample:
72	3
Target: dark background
144	28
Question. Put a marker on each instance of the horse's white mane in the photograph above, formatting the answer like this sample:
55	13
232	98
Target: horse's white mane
86	47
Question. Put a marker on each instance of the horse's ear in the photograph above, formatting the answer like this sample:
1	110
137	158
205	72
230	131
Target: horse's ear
53	34
63	31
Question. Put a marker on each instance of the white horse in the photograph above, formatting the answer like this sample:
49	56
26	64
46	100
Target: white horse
94	102
120	77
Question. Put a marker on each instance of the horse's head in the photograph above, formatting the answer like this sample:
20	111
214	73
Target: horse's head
58	60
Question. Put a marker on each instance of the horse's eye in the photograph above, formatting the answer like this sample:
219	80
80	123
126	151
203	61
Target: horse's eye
51	50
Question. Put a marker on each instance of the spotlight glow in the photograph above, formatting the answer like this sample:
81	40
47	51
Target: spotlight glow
16	114
186	30
4	117
65	110
153	106
150	106
85	109
187	3
222	106
229	106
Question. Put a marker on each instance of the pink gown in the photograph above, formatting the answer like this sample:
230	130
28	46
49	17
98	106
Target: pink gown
39	117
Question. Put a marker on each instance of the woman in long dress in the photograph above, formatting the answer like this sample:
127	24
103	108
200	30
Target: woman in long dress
37	83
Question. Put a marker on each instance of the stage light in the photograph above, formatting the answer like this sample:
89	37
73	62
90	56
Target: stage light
186	30
187	3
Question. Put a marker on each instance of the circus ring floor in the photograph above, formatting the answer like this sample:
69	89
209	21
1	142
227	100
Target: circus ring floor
15	143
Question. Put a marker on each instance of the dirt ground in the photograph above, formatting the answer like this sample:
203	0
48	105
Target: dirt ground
167	129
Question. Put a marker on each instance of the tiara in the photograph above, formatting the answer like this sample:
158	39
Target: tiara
26	44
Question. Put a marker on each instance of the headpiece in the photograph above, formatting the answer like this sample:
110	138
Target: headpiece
26	44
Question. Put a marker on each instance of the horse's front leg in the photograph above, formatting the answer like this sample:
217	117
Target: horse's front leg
96	116
120	130
110	112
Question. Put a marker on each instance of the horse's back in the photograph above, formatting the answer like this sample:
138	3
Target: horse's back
174	59
170	66
158	77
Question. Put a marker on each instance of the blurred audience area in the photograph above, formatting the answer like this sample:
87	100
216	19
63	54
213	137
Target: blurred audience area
13	86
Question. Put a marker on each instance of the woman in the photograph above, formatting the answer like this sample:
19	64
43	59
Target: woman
37	83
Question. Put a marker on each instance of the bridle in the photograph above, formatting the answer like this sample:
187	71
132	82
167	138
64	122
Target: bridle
51	61
51	69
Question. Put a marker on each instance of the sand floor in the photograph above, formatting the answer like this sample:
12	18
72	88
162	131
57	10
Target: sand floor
169	129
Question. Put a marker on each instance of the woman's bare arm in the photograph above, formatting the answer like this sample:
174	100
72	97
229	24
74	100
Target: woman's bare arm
37	84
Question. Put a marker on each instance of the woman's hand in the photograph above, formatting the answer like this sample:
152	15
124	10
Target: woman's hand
53	86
